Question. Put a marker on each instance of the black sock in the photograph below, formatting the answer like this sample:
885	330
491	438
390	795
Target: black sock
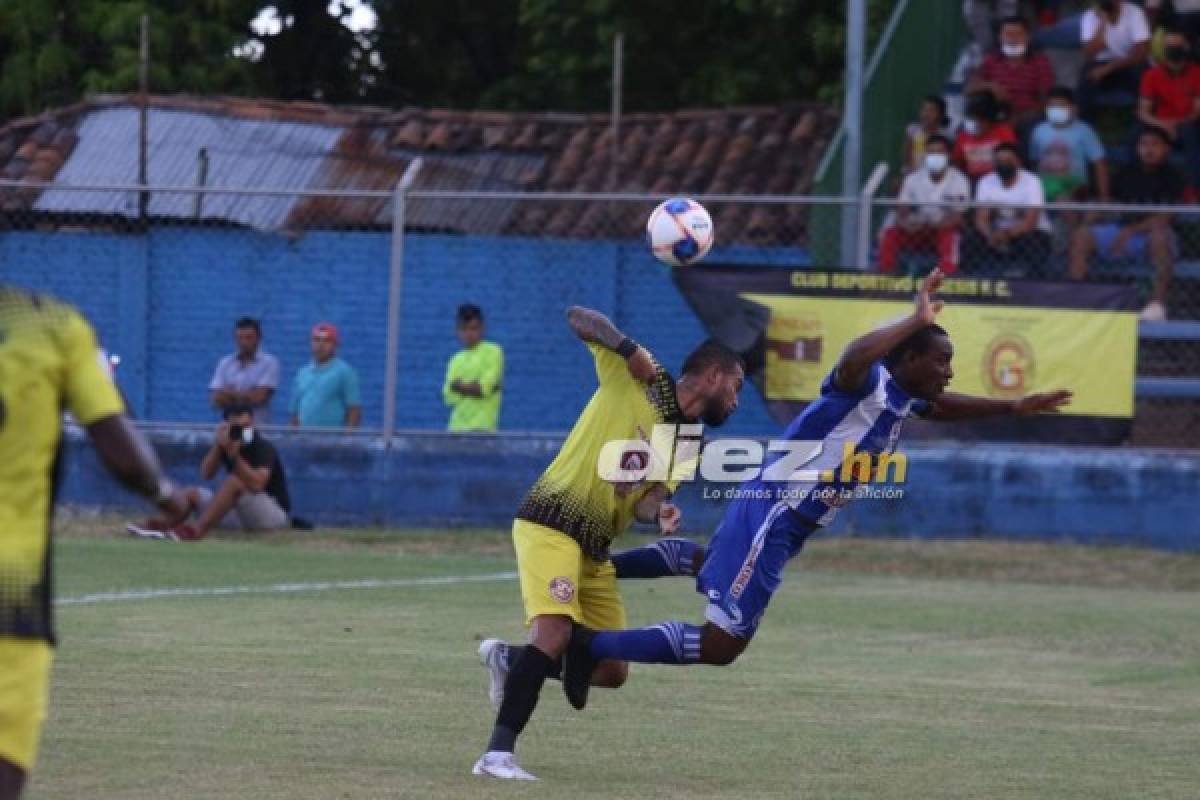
521	691
514	652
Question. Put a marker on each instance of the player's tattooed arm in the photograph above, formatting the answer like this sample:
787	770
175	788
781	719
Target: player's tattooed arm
860	354
951	406
592	326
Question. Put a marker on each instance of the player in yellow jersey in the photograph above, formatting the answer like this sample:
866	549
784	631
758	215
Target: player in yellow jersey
571	515
49	362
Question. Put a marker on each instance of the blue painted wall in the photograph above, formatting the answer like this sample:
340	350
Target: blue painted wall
1087	495
165	301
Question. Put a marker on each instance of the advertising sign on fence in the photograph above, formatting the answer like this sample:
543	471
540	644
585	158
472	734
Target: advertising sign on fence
1011	337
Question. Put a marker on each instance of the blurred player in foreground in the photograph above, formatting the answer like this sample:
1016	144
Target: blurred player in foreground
571	515
49	361
883	377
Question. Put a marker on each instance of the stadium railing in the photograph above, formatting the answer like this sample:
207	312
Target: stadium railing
391	266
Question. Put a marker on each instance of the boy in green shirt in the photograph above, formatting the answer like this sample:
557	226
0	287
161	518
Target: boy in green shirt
473	376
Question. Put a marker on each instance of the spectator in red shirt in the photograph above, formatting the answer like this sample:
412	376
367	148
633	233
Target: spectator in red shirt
980	134
1016	75
1170	99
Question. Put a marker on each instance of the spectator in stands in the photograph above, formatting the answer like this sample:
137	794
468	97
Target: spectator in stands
980	135
473	376
931	121
1011	235
253	496
247	377
981	16
1063	148
1016	75
325	392
1186	16
929	218
1116	42
1152	180
1170	100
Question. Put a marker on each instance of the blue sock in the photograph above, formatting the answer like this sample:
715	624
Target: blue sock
664	643
664	557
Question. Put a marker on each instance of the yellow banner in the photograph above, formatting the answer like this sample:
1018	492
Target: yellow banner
999	351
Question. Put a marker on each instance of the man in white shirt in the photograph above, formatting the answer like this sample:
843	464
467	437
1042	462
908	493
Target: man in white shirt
1011	235
929	217
1116	43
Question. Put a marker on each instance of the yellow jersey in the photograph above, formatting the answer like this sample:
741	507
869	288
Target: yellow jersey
49	362
571	496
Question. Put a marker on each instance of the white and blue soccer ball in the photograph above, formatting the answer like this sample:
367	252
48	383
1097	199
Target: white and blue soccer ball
680	232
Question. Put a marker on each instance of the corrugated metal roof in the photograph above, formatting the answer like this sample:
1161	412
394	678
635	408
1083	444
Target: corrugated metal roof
267	143
241	153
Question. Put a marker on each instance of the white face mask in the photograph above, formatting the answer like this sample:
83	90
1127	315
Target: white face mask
1013	50
936	162
247	435
971	126
1058	115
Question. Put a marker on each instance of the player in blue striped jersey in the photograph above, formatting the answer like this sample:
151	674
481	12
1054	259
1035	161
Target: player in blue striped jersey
898	371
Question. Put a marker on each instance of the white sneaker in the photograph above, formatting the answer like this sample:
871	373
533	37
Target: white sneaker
501	765
493	654
149	533
1153	312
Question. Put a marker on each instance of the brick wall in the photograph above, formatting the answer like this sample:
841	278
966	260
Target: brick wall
166	301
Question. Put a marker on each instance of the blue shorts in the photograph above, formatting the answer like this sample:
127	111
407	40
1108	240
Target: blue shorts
1137	249
744	563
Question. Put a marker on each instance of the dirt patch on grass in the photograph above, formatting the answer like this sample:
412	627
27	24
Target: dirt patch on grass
971	559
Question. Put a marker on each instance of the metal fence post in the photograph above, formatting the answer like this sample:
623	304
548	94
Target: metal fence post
396	268
862	254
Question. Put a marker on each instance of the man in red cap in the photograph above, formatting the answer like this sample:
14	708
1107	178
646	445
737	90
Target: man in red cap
325	392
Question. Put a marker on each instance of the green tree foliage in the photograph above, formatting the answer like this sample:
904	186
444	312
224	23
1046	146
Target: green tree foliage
513	54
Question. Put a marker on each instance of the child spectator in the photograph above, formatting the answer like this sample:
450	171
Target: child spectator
931	121
1012	232
1170	100
929	217
1132	236
980	135
1063	147
473	376
1016	75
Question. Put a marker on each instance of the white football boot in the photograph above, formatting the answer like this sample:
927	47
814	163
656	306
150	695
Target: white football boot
493	654
501	765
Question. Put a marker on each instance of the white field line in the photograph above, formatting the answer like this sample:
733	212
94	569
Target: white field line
280	588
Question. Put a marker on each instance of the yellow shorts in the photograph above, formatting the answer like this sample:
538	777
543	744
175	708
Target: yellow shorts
557	578
24	687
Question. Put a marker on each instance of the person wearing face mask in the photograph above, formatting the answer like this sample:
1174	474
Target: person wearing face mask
253	495
1170	99
1011	235
931	121
980	135
929	218
1017	75
1116	42
1063	148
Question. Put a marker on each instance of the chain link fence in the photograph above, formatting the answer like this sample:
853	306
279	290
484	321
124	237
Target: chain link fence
164	281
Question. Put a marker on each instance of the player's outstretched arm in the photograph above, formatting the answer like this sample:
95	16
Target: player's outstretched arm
592	326
951	406
860	354
131	460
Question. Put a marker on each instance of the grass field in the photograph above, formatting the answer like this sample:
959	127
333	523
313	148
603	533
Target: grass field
883	670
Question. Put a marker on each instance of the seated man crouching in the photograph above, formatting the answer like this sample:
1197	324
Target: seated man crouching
253	496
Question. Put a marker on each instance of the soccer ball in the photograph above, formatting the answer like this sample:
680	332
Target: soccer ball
680	232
